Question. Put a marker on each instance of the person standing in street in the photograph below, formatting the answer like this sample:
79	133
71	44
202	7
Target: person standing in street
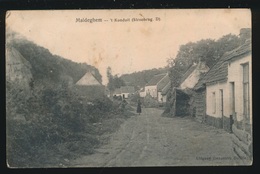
139	109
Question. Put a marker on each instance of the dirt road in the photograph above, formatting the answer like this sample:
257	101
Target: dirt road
152	140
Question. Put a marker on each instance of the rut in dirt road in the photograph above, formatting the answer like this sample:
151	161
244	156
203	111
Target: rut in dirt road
152	140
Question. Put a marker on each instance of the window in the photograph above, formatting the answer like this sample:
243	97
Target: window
246	103
213	102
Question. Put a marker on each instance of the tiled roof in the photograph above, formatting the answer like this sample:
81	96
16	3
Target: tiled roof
219	71
163	83
155	80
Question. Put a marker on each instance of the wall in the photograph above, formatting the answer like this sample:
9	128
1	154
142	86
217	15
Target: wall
235	71
242	129
142	94
200	105
152	90
209	100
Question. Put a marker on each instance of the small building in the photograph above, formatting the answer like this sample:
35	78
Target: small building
124	91
88	80
156	85
184	96
88	86
127	91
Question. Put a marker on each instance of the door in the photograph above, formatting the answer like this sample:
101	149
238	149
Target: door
221	107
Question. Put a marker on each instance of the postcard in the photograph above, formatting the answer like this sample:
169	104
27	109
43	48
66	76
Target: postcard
128	88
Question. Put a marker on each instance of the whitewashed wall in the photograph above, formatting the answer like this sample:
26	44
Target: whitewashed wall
209	100
235	71
152	90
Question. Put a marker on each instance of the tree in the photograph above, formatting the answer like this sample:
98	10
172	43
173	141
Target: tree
207	50
113	81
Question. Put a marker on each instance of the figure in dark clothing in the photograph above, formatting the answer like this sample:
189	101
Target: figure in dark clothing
139	109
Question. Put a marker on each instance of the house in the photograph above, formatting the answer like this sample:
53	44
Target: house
88	80
184	97
127	91
124	91
88	86
228	97
156	85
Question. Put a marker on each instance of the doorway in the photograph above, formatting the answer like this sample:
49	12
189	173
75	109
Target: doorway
221	106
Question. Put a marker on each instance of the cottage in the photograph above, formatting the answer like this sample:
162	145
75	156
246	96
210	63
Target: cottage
240	105
157	85
90	87
127	91
228	96
124	91
184	96
88	80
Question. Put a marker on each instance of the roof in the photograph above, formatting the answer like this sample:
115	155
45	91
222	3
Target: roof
166	89
124	89
117	91
219	71
127	89
163	82
88	80
187	73
155	79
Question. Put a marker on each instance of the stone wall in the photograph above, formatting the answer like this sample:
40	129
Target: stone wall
199	105
242	139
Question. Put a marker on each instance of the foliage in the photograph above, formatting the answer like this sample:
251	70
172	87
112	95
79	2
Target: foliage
48	66
52	120
114	81
207	50
139	79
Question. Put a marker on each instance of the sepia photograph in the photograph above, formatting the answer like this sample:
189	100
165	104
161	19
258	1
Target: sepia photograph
128	88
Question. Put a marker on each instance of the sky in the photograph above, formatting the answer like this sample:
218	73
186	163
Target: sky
124	46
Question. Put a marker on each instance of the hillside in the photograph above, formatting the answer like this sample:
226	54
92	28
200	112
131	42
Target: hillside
45	65
50	121
139	79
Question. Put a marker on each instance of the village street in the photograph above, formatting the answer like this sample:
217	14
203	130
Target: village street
152	140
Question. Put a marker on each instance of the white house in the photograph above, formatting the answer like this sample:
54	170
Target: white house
124	91
155	86
229	97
